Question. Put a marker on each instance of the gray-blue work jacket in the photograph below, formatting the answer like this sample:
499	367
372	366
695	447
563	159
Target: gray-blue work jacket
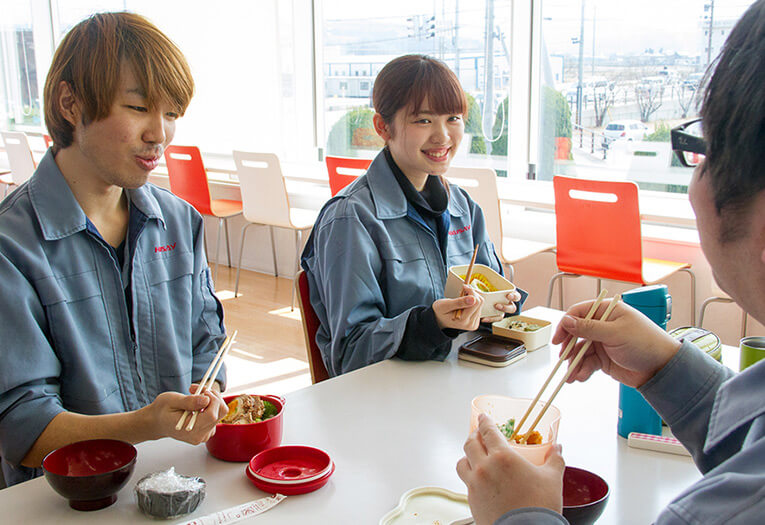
66	336
370	260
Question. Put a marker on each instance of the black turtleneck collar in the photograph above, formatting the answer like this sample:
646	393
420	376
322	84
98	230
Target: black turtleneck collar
431	202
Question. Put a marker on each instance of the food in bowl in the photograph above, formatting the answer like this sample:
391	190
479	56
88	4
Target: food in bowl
480	283
486	282
245	409
240	442
523	326
534	333
502	408
508	428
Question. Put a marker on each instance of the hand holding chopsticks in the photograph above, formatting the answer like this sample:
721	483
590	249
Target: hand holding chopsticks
571	367
208	379
468	275
563	357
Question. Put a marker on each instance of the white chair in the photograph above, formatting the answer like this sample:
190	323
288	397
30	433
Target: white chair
266	202
721	297
20	158
481	184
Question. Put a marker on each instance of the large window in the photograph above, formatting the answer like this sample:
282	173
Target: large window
583	87
251	61
471	37
615	77
19	91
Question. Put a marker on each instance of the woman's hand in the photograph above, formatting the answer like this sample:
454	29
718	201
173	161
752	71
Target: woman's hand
470	304
508	307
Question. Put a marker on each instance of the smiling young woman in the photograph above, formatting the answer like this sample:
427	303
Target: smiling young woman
379	253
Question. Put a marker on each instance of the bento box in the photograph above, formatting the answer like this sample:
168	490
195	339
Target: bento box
535	333
493	287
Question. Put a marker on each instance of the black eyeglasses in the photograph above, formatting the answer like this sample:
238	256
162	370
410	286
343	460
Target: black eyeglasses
688	143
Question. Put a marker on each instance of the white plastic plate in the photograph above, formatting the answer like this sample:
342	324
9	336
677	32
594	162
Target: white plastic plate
426	506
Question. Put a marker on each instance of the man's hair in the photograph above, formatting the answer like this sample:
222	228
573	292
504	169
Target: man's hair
89	60
733	114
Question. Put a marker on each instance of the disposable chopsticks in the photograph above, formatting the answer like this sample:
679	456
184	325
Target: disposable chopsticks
563	356
468	275
571	367
208	379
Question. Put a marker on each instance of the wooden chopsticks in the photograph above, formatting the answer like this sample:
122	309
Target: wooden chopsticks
571	367
468	275
208	379
562	359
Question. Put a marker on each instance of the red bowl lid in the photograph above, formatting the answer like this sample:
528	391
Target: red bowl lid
289	490
290	464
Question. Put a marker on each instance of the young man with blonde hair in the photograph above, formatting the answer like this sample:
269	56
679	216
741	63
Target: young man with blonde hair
107	309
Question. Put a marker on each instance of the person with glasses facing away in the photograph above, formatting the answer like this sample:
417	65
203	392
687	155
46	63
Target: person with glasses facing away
718	415
107	308
379	253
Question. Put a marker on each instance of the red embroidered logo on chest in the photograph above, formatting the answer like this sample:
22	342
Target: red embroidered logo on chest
461	230
168	248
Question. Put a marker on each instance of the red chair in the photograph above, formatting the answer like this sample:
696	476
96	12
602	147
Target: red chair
344	170
310	327
598	235
188	180
48	140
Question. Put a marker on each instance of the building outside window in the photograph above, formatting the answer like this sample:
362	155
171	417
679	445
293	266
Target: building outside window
615	77
472	38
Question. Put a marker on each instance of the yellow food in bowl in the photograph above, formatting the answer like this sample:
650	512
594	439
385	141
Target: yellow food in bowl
480	282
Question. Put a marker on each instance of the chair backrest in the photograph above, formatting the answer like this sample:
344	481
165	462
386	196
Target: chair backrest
264	194
598	228
188	178
310	327
20	157
481	184
344	170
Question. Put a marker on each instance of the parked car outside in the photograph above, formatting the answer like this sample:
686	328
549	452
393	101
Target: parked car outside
623	130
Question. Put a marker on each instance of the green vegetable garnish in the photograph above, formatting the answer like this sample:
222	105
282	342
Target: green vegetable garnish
270	410
508	428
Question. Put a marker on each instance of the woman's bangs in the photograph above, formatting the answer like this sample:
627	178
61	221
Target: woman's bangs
440	87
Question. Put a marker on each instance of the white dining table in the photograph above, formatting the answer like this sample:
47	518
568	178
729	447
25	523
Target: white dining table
391	427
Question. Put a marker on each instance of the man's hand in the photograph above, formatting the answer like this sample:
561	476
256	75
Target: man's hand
163	414
504	307
629	347
470	304
499	479
153	421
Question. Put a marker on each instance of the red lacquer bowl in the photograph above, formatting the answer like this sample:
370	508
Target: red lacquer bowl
90	473
242	442
585	495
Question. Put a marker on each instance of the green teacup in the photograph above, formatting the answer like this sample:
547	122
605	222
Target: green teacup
752	350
